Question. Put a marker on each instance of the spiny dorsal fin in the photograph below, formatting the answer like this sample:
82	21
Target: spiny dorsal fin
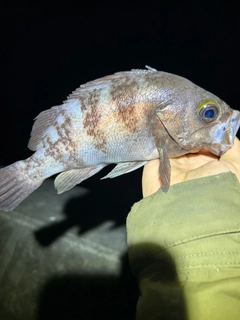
96	85
149	69
106	81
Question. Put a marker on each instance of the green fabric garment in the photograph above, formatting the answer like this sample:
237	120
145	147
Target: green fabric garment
184	248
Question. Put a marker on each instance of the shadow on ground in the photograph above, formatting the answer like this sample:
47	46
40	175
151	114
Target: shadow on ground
89	297
107	201
105	297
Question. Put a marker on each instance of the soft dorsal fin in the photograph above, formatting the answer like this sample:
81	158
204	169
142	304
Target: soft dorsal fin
41	124
66	115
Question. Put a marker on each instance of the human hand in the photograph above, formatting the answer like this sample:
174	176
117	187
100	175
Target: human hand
192	166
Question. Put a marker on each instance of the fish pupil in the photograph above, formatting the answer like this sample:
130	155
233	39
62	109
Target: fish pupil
209	114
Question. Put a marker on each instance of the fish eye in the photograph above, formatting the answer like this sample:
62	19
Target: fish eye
208	111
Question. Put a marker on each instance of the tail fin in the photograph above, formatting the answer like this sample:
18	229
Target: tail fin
15	186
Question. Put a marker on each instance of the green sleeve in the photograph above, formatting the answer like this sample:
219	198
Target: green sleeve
184	248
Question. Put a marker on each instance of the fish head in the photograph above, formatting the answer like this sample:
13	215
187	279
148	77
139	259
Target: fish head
198	119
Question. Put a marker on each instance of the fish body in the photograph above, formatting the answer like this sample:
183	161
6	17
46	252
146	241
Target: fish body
126	118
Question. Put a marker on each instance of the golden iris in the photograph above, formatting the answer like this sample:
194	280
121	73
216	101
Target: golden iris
208	110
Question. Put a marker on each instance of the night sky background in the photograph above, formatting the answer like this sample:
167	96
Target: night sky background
48	50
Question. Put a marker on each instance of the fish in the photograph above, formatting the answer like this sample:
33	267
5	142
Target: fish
127	119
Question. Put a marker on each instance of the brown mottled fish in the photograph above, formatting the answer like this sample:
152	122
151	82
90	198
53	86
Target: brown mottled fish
126	118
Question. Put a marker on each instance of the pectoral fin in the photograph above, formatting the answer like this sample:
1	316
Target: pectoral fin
68	179
165	167
124	167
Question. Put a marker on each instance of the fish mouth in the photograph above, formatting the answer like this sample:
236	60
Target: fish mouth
223	136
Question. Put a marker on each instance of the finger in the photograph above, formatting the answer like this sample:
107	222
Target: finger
231	159
150	177
233	153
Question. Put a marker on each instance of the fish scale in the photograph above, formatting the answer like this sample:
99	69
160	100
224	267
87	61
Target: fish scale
127	118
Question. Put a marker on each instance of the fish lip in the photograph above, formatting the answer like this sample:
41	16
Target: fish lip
235	124
227	139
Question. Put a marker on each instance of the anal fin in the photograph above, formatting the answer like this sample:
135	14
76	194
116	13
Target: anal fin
124	167
68	179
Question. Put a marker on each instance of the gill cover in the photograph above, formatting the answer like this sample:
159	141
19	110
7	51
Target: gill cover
192	125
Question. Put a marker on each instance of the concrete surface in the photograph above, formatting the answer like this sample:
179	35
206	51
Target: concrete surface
65	256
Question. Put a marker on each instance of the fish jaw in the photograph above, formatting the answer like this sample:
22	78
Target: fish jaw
224	134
